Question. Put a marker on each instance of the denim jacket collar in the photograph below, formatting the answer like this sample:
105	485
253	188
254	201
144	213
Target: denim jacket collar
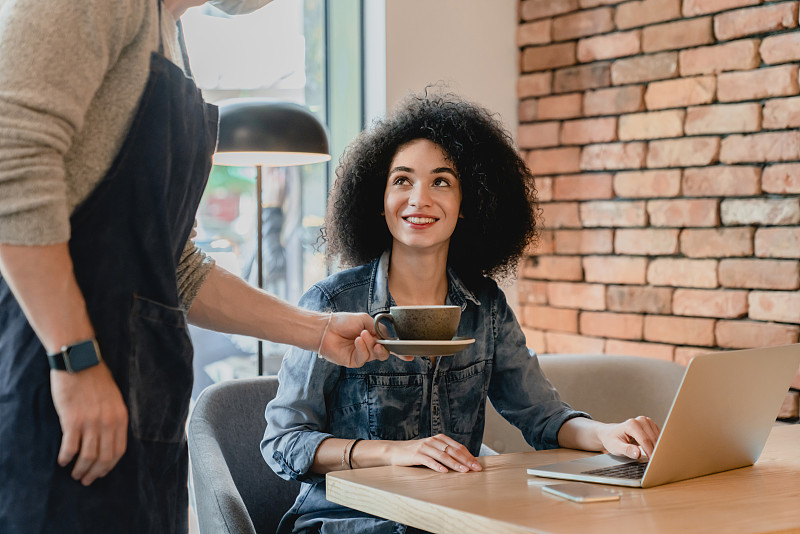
380	301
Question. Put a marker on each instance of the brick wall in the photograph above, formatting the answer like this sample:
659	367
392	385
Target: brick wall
664	138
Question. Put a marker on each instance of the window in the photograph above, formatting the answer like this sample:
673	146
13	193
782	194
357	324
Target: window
303	51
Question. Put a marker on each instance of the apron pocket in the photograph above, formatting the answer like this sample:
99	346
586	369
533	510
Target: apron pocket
160	372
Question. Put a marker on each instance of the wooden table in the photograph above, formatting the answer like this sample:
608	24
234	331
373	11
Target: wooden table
504	498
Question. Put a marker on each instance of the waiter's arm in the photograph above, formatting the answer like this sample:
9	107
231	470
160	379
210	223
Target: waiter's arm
226	303
93	417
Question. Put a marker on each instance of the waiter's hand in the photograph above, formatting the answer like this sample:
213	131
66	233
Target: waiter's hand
350	341
94	421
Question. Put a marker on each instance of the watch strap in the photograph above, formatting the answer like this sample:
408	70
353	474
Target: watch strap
76	357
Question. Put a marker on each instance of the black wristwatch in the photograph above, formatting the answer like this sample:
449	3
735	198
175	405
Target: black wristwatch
76	357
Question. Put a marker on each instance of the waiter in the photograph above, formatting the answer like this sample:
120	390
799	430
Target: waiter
105	148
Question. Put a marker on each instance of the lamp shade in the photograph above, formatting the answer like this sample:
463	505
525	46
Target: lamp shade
272	133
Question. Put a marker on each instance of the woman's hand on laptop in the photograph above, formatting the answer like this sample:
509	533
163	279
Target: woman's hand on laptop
631	438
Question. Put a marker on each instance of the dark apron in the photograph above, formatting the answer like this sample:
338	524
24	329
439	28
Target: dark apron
126	241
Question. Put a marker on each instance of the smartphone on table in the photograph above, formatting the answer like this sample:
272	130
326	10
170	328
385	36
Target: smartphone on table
583	492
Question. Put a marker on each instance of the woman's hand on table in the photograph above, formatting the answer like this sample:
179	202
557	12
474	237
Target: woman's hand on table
440	453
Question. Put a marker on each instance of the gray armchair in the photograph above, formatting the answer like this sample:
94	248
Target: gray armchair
235	491
610	388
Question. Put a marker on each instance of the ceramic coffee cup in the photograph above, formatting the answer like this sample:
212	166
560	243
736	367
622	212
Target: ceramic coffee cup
432	323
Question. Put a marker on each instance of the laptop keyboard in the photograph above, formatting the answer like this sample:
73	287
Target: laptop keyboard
630	470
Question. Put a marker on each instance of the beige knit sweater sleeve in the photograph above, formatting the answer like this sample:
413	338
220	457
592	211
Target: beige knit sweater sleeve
72	73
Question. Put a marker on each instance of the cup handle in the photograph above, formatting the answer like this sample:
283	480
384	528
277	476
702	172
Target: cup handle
380	317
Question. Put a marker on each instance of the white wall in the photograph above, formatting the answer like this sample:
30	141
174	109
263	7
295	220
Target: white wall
468	44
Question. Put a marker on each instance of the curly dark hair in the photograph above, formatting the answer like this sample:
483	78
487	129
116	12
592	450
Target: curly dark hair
498	194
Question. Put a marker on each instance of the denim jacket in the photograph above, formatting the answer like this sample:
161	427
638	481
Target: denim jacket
398	400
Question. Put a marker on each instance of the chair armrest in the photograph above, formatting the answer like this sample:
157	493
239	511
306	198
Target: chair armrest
220	508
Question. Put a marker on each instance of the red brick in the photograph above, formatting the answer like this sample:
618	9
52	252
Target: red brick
761	211
564	160
549	318
536	84
526	111
583	23
679	272
578	296
648	184
751	334
651	125
757	84
778	242
553	268
535	340
641	299
648	68
560	215
560	106
681	93
534	33
658	351
539	9
722	181
781	306
573	344
722	119
584	241
761	147
609	46
782	179
736	55
679	330
532	292
723	303
587	131
614	269
759	274
538	134
548	57
683	212
684	152
646	241
543	244
782	113
613	213
679	34
590	76
692	8
616	325
582	187
610	156
741	22
777	48
613	101
683	355
544	189
632	14
717	242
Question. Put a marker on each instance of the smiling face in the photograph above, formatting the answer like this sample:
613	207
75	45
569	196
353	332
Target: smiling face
422	200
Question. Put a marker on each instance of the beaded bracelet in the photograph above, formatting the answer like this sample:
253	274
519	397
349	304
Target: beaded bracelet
344	454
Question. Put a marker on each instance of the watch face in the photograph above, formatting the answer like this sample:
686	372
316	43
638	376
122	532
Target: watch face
82	356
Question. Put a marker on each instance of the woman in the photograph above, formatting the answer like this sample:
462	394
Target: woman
105	149
431	205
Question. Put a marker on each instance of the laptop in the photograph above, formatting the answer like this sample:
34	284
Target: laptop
720	419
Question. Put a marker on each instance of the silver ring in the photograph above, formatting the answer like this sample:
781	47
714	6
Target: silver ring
445	449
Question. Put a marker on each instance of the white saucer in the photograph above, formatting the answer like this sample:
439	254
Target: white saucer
405	347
